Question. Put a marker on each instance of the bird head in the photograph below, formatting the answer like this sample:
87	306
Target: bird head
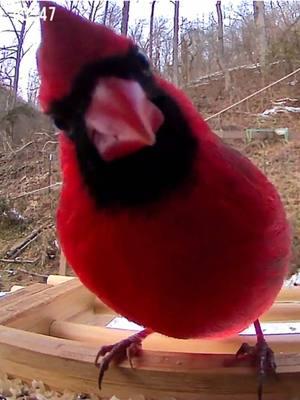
86	67
100	90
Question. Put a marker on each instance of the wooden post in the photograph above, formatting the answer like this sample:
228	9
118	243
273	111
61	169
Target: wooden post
62	264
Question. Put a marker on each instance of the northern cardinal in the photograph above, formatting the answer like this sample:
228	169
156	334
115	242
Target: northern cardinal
165	223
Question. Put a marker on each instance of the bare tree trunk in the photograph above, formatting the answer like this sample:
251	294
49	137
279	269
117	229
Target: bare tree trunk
185	59
93	9
175	42
17	49
125	17
105	12
151	30
33	84
261	37
18	60
221	52
72	5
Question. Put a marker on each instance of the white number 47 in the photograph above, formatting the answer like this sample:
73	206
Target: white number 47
43	13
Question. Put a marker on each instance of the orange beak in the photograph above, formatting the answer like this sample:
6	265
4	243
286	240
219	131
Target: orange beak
120	119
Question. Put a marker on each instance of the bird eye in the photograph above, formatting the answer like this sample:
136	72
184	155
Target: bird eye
60	123
143	60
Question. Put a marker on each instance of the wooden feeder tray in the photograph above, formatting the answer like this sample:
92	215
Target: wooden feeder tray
52	332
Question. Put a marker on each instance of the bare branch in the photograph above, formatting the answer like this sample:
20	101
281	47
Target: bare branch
24	271
105	12
5	58
57	184
28	29
151	30
20	261
282	13
175	41
125	17
26	51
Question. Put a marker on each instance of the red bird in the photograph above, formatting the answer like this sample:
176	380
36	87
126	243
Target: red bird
157	215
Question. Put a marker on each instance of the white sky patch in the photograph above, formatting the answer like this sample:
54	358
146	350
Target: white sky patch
269	328
123	323
275	328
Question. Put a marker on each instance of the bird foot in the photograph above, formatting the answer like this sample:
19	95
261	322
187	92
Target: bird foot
127	348
263	357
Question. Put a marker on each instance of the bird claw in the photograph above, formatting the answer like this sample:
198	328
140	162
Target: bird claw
245	350
263	356
127	348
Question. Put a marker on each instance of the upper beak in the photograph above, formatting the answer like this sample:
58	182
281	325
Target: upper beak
121	119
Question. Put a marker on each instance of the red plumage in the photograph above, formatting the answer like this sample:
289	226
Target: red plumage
205	261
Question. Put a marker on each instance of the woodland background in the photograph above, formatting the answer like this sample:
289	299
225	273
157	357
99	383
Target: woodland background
217	60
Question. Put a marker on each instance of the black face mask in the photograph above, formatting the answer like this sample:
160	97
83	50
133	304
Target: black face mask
142	177
134	65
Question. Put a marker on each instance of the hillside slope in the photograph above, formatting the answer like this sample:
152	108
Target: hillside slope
208	95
